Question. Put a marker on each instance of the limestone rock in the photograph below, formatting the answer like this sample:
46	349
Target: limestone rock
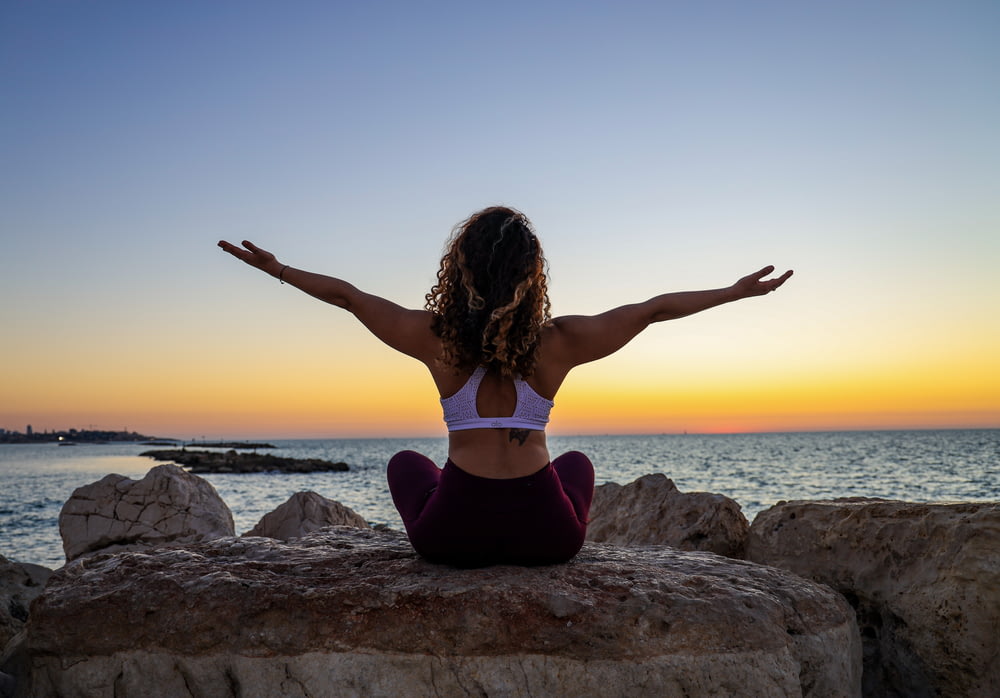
168	505
346	612
20	583
652	511
303	513
924	578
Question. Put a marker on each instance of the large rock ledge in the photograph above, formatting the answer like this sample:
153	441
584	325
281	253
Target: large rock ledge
344	612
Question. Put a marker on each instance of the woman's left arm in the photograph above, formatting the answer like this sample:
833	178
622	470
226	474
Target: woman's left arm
403	329
326	288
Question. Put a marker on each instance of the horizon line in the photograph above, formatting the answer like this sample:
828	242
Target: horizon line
601	434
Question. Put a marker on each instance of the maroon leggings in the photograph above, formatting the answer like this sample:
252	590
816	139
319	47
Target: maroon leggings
461	519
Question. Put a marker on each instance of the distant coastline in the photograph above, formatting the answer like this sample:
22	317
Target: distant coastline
69	437
83	436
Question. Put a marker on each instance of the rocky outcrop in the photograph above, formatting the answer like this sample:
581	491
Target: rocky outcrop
20	583
303	513
350	612
168	505
924	578
652	511
230	461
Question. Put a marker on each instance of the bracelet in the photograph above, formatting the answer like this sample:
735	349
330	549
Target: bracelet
281	273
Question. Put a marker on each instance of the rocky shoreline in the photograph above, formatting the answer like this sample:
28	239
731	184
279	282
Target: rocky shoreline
674	594
231	461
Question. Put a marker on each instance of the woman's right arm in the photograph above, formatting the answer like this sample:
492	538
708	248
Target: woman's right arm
407	331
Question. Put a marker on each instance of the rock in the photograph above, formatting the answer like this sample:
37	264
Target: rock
303	513
20	583
924	578
346	612
232	462
245	445
168	505
652	511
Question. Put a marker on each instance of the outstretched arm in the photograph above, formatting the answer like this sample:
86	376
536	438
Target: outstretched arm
326	288
577	339
671	306
402	329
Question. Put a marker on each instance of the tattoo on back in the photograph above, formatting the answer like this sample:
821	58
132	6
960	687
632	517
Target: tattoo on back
519	435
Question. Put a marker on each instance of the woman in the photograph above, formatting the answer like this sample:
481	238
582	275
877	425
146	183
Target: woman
498	360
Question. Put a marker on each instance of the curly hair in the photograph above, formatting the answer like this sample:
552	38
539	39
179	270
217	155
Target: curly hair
491	299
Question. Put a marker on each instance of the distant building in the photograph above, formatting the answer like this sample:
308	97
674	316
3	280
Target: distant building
29	431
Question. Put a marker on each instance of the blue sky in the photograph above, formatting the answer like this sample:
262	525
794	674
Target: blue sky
656	146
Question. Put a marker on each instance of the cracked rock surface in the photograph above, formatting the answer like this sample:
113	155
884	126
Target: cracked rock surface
20	584
168	505
924	578
349	612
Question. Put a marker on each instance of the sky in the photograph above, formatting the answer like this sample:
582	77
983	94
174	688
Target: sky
656	146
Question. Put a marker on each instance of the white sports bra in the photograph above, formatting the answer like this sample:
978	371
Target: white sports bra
460	412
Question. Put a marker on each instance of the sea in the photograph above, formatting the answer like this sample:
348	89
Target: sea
756	470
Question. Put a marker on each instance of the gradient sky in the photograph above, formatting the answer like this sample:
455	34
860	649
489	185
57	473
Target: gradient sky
656	146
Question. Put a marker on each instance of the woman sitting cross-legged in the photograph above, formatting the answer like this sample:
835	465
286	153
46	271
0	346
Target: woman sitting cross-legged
498	359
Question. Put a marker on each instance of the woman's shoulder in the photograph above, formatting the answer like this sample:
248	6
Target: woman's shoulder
556	336
551	365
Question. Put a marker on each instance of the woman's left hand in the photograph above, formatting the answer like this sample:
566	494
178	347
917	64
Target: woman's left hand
254	256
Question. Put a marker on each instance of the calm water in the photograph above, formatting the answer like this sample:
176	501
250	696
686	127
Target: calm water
757	470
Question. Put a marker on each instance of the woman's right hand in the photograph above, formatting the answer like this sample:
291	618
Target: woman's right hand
756	285
254	256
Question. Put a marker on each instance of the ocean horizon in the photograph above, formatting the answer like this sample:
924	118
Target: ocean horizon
757	470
